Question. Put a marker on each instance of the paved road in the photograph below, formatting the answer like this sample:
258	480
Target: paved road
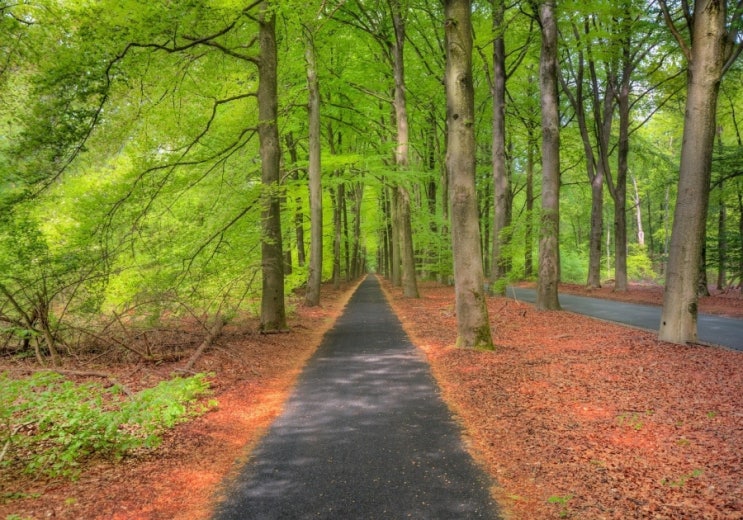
364	435
717	330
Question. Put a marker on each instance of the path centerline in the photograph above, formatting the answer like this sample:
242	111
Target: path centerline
364	434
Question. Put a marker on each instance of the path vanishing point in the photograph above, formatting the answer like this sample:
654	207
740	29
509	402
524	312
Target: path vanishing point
364	435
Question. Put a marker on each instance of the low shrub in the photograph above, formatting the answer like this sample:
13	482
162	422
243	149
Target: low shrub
49	425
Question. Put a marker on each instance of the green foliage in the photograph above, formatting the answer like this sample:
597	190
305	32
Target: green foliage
51	425
639	264
573	265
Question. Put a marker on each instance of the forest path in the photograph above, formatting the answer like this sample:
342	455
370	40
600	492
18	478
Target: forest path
365	434
716	330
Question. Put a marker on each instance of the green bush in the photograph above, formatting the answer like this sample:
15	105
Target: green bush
639	264
50	425
573	265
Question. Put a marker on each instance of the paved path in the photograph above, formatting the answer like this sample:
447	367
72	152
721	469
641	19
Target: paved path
365	435
717	330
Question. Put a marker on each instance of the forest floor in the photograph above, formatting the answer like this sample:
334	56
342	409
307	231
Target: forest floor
573	417
580	418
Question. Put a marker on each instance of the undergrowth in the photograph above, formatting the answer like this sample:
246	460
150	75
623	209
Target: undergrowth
50	425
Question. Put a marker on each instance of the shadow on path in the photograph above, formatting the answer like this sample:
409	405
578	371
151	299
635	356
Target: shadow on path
364	435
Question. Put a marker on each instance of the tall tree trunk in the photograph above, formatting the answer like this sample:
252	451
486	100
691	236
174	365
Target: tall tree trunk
394	207
721	245
529	233
620	239
596	232
291	145
501	181
473	325
273	314
721	224
618	189
346	237
706	62
586	103
336	196
407	250
314	281
549	233
357	258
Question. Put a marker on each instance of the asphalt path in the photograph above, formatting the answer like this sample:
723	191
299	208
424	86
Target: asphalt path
715	330
364	435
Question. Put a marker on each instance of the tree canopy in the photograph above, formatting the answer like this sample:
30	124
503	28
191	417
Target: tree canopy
134	168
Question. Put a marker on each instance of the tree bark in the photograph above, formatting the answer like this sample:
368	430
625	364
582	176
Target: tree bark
407	250
473	326
314	281
549	253
706	61
501	181
273	314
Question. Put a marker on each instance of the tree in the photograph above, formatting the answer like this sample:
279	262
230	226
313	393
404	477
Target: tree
709	52
409	284
314	281
501	181
473	326
549	233
273	314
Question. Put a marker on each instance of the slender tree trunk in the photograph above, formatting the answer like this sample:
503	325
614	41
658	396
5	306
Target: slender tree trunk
501	181
721	244
549	233
273	314
356	261
314	281
596	233
651	240
620	240
346	237
409	284
721	224
529	233
666	228
407	249
335	195
395	237
473	325
638	214
619	188
705	68
703	284
291	145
